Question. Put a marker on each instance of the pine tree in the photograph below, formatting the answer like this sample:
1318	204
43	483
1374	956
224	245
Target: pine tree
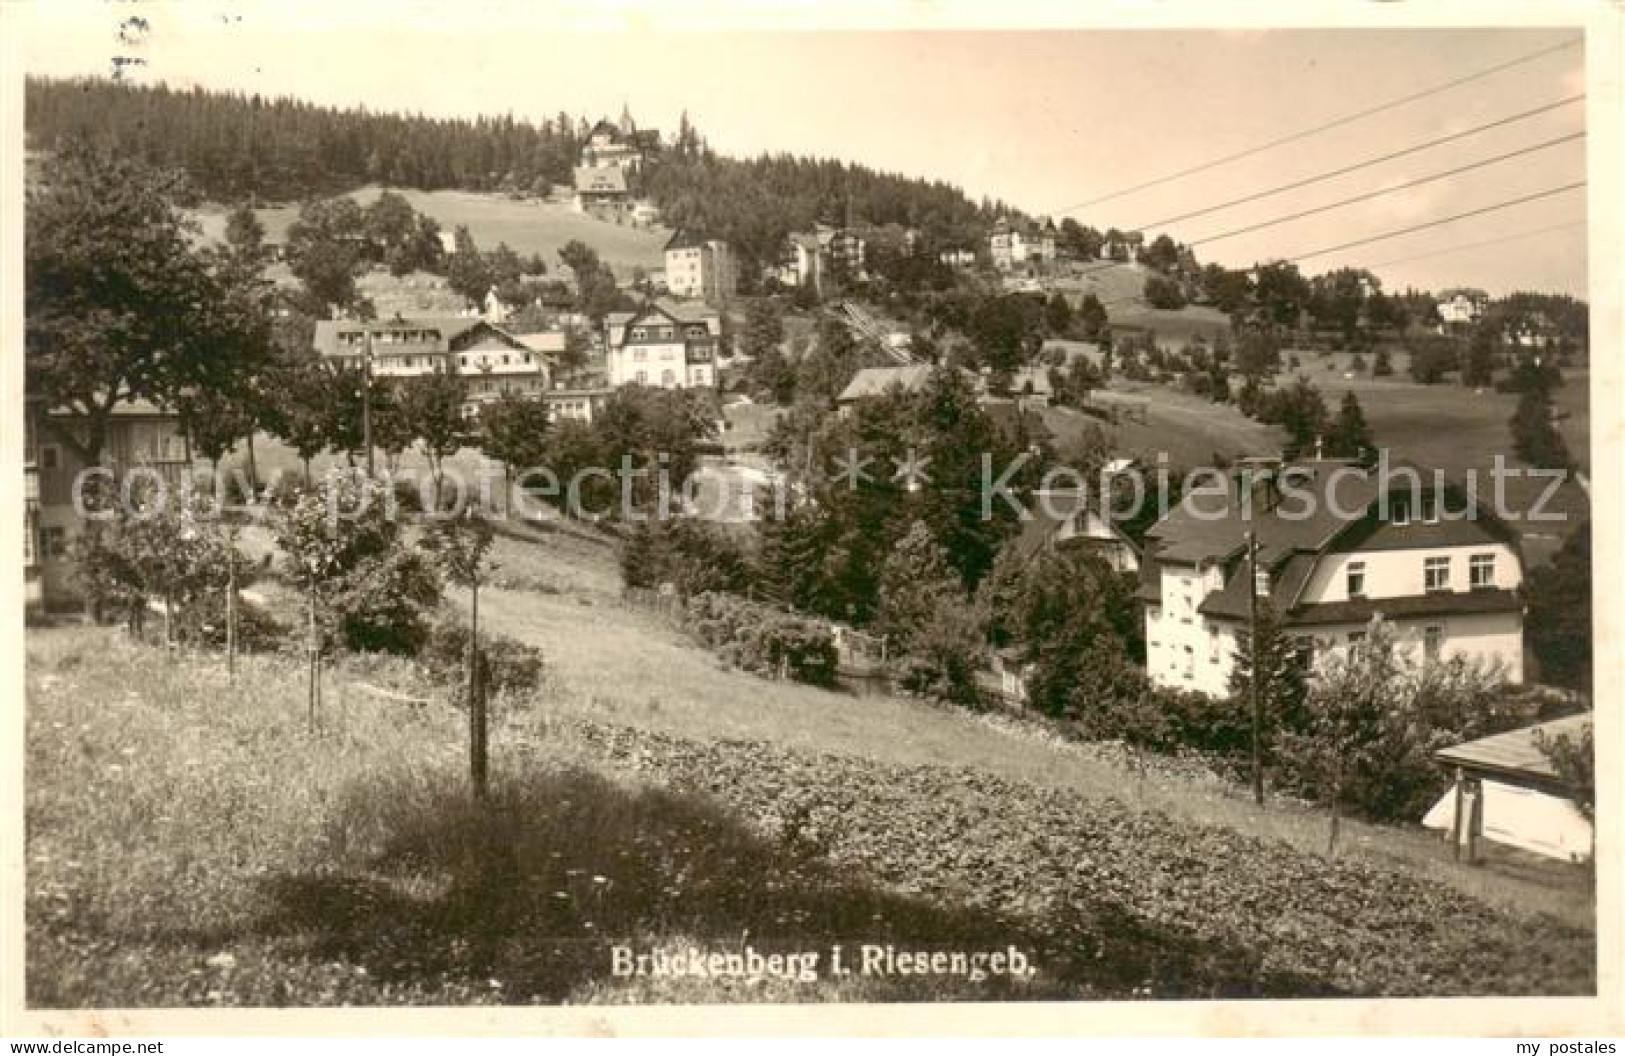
1534	438
1282	686
1479	369
1350	437
1559	616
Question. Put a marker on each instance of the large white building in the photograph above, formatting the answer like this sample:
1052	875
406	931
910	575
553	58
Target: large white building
1013	245
666	344
1336	546
701	268
1462	307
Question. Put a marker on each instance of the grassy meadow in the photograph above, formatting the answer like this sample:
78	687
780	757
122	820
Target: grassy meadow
529	225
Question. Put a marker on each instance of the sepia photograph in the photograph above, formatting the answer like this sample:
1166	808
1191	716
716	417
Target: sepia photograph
535	508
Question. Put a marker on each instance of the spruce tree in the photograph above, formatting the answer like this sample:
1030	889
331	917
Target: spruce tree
1534	438
1350	435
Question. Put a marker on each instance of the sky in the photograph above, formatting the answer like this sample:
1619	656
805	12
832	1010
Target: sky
1045	119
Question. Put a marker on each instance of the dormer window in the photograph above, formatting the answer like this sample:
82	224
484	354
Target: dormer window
1356	579
1261	583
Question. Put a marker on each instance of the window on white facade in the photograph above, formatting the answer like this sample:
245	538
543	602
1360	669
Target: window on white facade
1212	645
1481	570
1190	662
1436	573
1356	579
639	355
1432	641
642	377
668	378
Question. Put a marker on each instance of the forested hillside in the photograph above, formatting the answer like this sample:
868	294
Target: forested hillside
754	203
237	147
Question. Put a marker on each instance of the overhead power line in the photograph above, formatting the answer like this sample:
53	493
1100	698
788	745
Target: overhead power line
1547	193
1357	166
1463	248
1327	125
1479	245
1381	191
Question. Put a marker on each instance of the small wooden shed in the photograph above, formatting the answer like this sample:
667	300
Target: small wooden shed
1507	791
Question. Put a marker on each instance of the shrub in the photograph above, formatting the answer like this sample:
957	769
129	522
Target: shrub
695	557
507	665
205	623
155	547
944	653
1374	719
371	592
764	640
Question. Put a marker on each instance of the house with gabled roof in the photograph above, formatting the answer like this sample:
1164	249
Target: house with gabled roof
1016	243
1061	520
143	439
493	362
1337	544
621	145
602	193
668	344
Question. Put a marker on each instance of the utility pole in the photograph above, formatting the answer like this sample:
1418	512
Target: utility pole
1253	683
231	606
366	402
477	725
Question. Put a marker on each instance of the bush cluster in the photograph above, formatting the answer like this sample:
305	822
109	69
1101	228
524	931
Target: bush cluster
506	665
764	640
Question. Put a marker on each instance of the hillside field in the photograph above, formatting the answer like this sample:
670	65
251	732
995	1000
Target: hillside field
646	793
1460	430
1444	426
528	225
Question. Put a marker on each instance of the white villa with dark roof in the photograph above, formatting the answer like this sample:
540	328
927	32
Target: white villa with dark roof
667	344
1015	243
1335	548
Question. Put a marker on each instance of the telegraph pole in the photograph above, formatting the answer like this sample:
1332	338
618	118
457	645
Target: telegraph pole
1253	683
366	402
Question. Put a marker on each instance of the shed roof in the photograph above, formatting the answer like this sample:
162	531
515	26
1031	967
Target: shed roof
1514	754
